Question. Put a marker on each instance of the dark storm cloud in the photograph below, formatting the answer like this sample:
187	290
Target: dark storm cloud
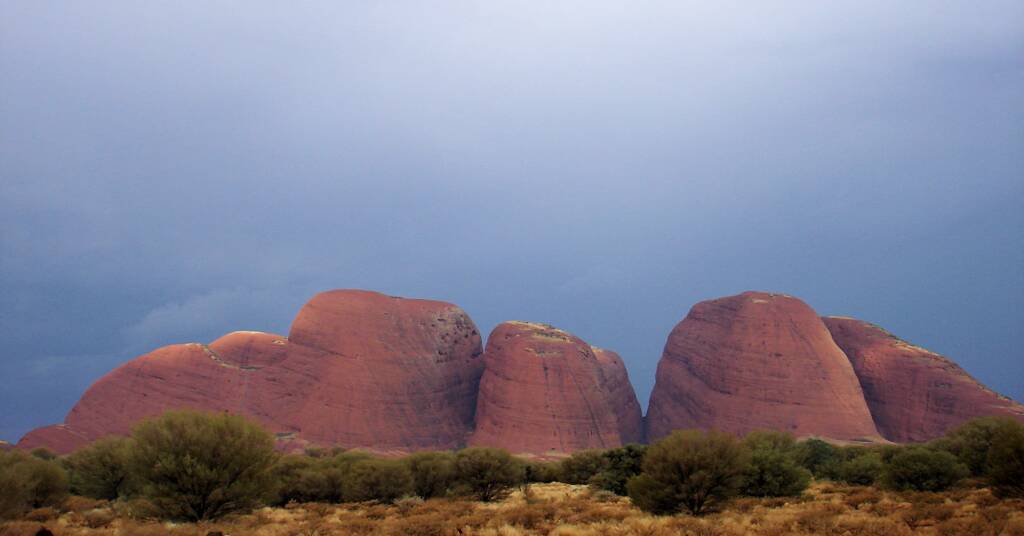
171	172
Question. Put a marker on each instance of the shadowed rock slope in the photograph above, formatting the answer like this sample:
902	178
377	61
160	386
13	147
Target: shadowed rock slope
359	369
545	391
757	361
914	394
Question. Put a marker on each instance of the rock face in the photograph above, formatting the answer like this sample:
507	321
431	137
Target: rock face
223	376
368	370
547	392
360	369
914	394
757	361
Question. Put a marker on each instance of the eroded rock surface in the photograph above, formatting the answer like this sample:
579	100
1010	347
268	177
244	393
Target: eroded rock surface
545	391
914	394
368	370
757	361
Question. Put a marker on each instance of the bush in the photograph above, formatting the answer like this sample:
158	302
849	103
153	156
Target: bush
819	457
863	468
487	473
199	466
773	469
689	469
378	480
100	470
28	482
622	463
1005	461
922	469
538	471
296	478
581	466
433	473
970	441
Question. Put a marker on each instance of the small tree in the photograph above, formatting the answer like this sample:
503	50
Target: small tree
100	470
970	442
433	473
378	480
1005	461
922	469
582	466
863	468
773	469
622	463
28	482
819	457
199	466
487	473
689	469
297	478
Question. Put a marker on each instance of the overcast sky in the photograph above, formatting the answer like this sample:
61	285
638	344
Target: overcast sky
170	171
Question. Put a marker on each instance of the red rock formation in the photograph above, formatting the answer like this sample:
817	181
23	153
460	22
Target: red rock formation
914	394
545	391
220	377
56	437
757	361
368	370
621	396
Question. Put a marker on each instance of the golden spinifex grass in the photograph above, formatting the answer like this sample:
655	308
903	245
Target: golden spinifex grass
568	510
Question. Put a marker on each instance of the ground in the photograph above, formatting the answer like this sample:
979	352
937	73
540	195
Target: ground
565	510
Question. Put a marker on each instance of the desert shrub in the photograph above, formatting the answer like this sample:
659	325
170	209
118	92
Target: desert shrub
1005	461
378	480
970	442
297	478
487	473
819	457
28	482
100	470
540	471
863	468
622	463
199	466
433	473
689	469
773	470
43	453
581	466
922	469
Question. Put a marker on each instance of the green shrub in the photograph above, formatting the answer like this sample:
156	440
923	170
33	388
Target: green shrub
100	470
43	453
970	442
773	470
1005	461
28	482
433	473
487	473
581	466
622	463
297	478
541	471
199	466
378	480
922	469
689	469
863	468
819	457
332	472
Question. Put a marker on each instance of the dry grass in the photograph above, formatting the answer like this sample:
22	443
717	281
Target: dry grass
564	510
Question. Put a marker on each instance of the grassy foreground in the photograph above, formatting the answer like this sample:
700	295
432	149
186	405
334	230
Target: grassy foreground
571	510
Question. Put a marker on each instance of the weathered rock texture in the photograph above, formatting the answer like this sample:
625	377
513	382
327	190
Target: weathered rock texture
757	361
914	394
369	370
547	392
360	369
220	377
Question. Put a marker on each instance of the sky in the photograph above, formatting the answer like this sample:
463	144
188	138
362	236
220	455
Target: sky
172	171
